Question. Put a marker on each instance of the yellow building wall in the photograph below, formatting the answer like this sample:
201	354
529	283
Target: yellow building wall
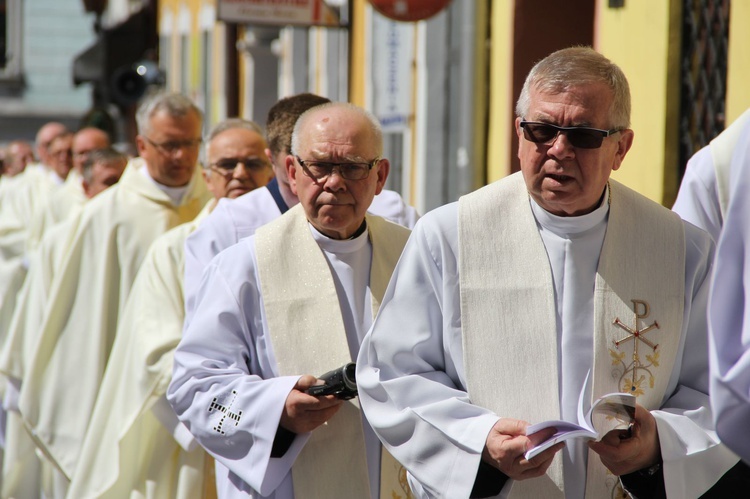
358	55
637	38
500	128
738	67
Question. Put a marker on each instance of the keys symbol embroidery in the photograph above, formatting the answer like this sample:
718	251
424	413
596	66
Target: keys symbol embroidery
226	412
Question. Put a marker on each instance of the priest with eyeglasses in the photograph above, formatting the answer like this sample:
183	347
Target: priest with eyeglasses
284	306
552	285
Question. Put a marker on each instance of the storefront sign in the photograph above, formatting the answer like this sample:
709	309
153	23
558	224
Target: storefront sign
283	12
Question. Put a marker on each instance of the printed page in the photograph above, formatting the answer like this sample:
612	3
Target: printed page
614	411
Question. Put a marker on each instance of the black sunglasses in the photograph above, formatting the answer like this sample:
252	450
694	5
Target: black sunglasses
582	137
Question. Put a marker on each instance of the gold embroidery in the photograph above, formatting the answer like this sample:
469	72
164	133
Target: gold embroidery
634	383
405	492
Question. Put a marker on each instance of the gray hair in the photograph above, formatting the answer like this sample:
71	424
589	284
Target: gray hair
573	67
230	124
377	133
174	104
107	156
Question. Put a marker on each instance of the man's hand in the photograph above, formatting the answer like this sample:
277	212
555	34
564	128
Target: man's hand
303	412
506	444
623	455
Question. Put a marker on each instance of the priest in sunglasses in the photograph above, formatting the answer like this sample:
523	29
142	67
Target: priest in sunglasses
542	292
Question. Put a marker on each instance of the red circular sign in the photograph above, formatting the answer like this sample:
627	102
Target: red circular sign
409	10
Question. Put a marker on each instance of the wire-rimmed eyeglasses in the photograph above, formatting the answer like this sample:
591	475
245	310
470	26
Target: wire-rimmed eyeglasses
320	170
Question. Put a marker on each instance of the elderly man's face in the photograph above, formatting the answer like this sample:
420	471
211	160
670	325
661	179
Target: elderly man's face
336	206
61	155
44	139
563	179
170	148
20	154
237	163
86	141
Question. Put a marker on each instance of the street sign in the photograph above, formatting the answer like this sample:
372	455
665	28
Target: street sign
331	13
392	62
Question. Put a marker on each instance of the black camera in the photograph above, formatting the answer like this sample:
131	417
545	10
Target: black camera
340	382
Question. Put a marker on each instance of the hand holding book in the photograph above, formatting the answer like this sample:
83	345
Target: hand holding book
614	411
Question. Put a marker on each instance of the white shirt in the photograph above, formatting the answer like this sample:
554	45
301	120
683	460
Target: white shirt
698	198
573	246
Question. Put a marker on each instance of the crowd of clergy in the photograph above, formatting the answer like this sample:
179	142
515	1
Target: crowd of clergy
182	323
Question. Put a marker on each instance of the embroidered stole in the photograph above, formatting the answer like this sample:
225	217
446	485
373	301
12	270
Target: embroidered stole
508	312
307	332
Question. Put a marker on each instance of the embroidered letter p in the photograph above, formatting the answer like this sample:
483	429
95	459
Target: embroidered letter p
642	305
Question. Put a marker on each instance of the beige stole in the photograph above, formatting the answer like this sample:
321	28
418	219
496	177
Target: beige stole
308	336
508	311
722	149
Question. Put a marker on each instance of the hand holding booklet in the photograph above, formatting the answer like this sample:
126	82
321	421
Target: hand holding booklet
614	411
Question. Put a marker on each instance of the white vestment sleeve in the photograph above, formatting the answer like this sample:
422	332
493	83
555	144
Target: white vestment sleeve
410	367
391	206
728	313
691	451
698	198
231	221
224	391
214	234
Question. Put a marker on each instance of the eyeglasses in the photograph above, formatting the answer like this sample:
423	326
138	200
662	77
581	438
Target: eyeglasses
582	137
226	166
170	147
320	170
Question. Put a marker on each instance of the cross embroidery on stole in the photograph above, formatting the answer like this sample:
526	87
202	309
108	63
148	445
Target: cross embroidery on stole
634	383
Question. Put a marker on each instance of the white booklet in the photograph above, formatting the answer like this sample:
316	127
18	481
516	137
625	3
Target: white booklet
614	411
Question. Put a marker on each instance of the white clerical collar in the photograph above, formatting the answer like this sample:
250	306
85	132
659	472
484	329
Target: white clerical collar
175	194
571	225
339	245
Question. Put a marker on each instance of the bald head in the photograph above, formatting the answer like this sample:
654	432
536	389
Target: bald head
44	136
19	154
353	123
85	142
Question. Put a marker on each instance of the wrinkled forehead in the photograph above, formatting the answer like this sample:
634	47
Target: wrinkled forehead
235	139
580	104
338	133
